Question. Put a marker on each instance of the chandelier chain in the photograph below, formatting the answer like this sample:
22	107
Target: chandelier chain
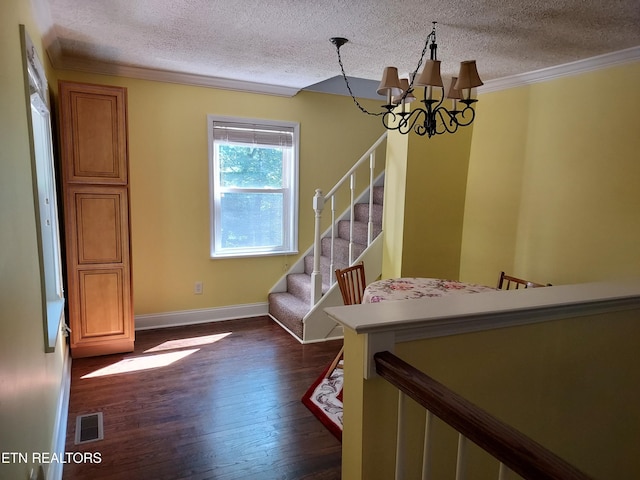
346	81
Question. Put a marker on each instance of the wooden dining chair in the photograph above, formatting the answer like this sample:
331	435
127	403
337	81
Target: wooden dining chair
351	281
509	282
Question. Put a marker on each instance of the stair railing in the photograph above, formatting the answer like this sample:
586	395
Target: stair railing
319	201
513	451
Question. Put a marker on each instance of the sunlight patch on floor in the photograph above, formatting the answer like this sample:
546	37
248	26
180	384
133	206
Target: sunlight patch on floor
135	364
188	342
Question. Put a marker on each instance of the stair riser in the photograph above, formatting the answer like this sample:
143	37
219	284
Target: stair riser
288	312
378	195
325	267
299	286
360	231
340	250
361	213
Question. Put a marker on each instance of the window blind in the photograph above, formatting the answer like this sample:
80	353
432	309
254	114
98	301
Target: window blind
255	134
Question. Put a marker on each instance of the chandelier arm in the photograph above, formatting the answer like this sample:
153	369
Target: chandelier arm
460	118
346	81
448	121
403	123
411	122
388	120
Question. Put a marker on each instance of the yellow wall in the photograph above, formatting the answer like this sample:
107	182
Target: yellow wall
425	187
170	185
30	380
393	223
552	195
553	181
570	385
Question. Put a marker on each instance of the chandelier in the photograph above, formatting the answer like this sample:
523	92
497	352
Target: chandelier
434	118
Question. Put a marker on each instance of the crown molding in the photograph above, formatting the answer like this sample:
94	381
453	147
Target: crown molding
102	68
573	68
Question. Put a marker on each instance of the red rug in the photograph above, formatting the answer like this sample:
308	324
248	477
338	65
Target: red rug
324	399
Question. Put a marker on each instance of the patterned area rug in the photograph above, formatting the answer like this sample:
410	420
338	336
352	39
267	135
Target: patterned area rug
324	399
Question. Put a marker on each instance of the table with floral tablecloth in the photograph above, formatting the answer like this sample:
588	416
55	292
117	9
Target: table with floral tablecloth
415	288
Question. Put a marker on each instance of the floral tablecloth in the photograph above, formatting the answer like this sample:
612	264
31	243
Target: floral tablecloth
415	288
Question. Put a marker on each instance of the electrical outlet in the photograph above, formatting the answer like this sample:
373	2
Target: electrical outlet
197	288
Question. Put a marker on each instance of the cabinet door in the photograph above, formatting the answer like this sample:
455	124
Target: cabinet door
100	307
94	133
103	305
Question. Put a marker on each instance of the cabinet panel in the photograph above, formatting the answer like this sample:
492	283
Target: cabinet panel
94	133
99	217
103	303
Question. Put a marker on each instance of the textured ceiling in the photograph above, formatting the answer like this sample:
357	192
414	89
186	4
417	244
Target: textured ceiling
286	42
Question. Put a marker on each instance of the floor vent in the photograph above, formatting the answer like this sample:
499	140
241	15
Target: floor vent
89	428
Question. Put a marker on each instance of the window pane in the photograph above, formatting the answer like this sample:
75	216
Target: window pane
250	167
254	186
251	220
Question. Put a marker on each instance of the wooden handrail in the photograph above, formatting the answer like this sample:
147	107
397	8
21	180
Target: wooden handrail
355	166
518	452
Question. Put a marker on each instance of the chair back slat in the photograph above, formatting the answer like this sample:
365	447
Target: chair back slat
351	281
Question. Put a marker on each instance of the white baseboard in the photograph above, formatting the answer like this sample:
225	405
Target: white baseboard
285	328
193	317
58	443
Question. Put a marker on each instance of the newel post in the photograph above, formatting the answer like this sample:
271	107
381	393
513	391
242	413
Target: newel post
316	275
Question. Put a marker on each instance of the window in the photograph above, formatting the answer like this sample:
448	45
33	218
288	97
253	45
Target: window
44	191
254	186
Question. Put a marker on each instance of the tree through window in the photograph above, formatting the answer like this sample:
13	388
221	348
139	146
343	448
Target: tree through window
253	187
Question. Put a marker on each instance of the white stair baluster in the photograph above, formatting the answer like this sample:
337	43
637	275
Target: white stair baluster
426	454
332	268
503	473
352	188
372	166
400	438
461	464
316	275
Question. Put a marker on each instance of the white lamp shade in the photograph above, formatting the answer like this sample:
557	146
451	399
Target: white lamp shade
408	98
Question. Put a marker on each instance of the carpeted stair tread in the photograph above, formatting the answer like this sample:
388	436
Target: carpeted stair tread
289	310
299	285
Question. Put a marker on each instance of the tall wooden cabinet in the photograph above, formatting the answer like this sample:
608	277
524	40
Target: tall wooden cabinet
95	186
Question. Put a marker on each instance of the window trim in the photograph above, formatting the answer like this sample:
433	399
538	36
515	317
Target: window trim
44	192
290	219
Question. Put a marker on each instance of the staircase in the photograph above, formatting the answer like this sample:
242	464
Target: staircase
289	308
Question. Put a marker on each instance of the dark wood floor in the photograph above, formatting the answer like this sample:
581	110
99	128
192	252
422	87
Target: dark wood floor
230	409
